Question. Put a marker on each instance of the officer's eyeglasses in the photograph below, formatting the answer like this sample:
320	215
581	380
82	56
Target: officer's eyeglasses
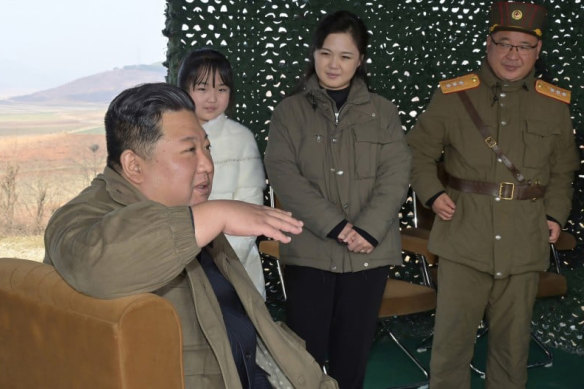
506	47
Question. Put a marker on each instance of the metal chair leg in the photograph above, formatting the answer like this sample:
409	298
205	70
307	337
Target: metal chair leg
281	276
424	270
408	353
548	360
482	331
555	258
477	370
421	384
425	344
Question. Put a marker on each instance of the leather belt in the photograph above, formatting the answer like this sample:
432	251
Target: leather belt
503	190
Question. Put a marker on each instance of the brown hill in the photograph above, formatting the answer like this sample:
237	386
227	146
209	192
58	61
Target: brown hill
97	88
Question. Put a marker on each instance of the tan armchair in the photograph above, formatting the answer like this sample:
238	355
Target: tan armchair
52	336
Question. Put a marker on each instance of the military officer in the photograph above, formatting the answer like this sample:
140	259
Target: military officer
509	154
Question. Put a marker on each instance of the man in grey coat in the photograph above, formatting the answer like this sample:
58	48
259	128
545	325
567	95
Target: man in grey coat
145	225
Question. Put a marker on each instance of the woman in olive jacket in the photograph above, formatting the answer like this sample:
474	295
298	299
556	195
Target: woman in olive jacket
337	159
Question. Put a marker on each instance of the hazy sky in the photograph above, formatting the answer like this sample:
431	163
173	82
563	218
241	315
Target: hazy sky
46	43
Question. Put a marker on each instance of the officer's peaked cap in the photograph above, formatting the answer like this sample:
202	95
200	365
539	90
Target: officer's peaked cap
517	16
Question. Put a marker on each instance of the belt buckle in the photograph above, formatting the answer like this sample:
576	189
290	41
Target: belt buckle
502	186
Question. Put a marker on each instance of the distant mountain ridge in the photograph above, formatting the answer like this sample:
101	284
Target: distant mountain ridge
98	88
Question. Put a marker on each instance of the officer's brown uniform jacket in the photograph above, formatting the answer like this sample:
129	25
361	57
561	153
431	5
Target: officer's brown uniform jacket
500	237
110	242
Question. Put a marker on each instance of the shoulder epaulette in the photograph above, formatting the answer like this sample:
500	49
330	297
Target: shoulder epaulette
458	84
550	90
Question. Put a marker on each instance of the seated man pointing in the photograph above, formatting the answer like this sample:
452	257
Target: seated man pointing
145	225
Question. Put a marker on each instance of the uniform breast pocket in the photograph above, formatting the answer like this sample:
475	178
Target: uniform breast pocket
368	140
538	139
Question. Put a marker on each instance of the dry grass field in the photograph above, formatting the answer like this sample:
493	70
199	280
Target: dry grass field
47	155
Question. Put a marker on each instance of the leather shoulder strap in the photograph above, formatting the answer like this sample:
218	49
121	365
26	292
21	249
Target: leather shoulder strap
487	137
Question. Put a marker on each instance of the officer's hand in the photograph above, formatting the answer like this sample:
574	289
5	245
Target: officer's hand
444	207
554	231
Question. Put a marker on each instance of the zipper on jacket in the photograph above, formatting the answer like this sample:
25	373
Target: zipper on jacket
338	113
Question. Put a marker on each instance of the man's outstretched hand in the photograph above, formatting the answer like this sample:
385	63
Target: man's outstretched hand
242	219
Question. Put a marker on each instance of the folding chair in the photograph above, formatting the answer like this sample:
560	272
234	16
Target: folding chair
271	248
401	297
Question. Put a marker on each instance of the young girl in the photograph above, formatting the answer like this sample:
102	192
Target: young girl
239	175
337	159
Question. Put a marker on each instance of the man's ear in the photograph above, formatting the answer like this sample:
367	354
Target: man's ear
132	166
538	48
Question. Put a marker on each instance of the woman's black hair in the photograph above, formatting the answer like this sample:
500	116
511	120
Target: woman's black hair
339	22
196	67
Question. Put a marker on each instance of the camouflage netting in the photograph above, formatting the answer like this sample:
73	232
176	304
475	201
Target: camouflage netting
414	44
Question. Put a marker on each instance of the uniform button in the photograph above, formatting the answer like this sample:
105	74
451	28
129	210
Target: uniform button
248	355
499	160
340	173
503	95
333	268
333	170
501	105
366	264
346	205
498	274
503	123
497	199
498	237
334	140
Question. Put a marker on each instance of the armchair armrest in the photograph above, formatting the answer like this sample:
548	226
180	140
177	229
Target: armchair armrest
52	336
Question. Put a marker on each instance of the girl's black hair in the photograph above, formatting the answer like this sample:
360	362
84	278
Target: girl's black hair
199	64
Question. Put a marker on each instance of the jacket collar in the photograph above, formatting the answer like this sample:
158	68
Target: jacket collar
120	190
359	94
215	124
492	81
